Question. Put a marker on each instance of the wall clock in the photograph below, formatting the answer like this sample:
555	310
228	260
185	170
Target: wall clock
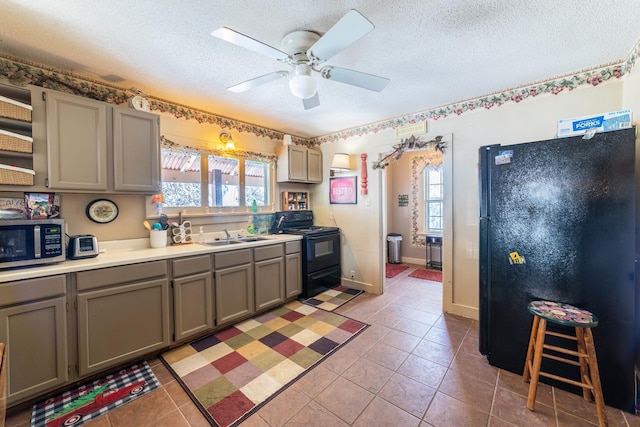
139	103
102	211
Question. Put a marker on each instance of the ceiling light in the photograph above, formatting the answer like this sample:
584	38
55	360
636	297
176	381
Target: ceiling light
302	84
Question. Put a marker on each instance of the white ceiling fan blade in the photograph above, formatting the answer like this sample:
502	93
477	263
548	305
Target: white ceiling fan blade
354	78
258	81
311	102
347	30
239	39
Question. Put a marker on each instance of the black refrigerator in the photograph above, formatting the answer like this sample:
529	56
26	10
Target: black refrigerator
567	207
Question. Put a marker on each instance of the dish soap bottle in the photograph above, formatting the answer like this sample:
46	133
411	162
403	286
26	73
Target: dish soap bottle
201	235
254	206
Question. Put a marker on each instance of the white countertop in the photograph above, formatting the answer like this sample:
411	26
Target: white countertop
122	252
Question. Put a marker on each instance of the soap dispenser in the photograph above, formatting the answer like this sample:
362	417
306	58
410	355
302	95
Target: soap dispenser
201	235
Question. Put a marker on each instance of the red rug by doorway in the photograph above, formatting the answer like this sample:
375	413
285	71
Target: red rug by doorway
433	275
395	269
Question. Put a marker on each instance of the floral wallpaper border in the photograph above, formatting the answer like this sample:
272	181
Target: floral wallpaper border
20	72
593	77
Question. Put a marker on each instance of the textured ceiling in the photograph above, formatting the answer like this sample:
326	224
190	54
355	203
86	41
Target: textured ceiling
435	52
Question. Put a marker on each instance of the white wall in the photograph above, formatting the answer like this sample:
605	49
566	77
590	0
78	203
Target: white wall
530	120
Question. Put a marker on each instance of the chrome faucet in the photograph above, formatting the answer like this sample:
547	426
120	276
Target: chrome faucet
227	233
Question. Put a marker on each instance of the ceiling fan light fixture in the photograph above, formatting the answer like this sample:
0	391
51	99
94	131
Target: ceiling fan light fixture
301	83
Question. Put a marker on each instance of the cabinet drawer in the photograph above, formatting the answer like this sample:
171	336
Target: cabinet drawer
93	279
231	258
268	252
193	265
293	247
31	289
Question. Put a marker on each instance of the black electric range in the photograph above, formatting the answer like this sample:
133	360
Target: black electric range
321	261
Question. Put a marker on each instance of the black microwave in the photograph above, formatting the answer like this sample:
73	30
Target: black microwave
31	242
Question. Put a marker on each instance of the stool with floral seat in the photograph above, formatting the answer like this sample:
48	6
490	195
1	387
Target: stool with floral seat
585	356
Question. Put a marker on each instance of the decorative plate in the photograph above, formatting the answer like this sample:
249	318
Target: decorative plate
139	103
102	211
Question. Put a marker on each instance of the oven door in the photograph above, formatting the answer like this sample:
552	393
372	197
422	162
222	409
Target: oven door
320	281
321	251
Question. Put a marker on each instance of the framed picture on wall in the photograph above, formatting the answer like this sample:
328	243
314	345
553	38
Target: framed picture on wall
343	190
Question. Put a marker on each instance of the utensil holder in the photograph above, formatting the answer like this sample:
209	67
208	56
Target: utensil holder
158	238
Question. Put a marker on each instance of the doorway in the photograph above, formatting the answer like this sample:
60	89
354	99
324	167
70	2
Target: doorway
403	210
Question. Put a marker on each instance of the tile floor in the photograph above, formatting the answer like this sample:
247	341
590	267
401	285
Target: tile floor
415	366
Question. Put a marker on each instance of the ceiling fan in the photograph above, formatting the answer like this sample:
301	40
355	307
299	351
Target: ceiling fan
305	52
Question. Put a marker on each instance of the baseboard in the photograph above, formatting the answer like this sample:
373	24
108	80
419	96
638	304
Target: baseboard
416	261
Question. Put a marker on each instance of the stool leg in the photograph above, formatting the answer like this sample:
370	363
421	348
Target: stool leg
595	377
532	340
537	362
584	367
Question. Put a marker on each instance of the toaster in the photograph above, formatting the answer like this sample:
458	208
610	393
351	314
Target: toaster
82	246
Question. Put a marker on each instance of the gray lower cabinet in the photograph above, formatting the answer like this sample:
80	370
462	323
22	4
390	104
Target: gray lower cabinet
35	331
269	276
123	313
293	269
234	285
192	296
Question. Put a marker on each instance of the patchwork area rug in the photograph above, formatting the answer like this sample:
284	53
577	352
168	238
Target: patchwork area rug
393	270
333	298
89	401
433	275
234	372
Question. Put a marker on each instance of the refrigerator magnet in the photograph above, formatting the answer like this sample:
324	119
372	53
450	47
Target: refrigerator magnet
504	157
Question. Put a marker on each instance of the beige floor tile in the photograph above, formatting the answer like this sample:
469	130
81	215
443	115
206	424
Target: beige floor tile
512	407
381	413
423	370
408	394
283	407
368	375
386	355
445	411
435	352
400	340
467	389
315	415
345	399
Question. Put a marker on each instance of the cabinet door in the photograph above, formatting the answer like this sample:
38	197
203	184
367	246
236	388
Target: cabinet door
36	337
314	166
192	305
76	142
120	323
234	293
293	274
297	163
136	150
269	283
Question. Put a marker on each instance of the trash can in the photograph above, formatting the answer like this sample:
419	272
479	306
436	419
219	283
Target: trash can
393	248
434	252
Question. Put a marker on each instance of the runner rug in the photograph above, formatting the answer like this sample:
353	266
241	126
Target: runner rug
433	275
234	372
392	270
89	401
333	298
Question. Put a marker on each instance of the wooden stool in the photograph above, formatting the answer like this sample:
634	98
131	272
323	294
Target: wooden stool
582	321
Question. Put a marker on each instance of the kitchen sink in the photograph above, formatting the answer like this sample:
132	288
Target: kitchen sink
224	242
253	239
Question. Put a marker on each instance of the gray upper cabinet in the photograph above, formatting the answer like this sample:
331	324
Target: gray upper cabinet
94	146
136	151
76	143
297	163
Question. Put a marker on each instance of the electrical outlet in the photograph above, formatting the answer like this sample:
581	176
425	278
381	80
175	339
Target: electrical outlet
353	274
330	214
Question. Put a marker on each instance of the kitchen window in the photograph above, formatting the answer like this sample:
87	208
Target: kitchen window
214	183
